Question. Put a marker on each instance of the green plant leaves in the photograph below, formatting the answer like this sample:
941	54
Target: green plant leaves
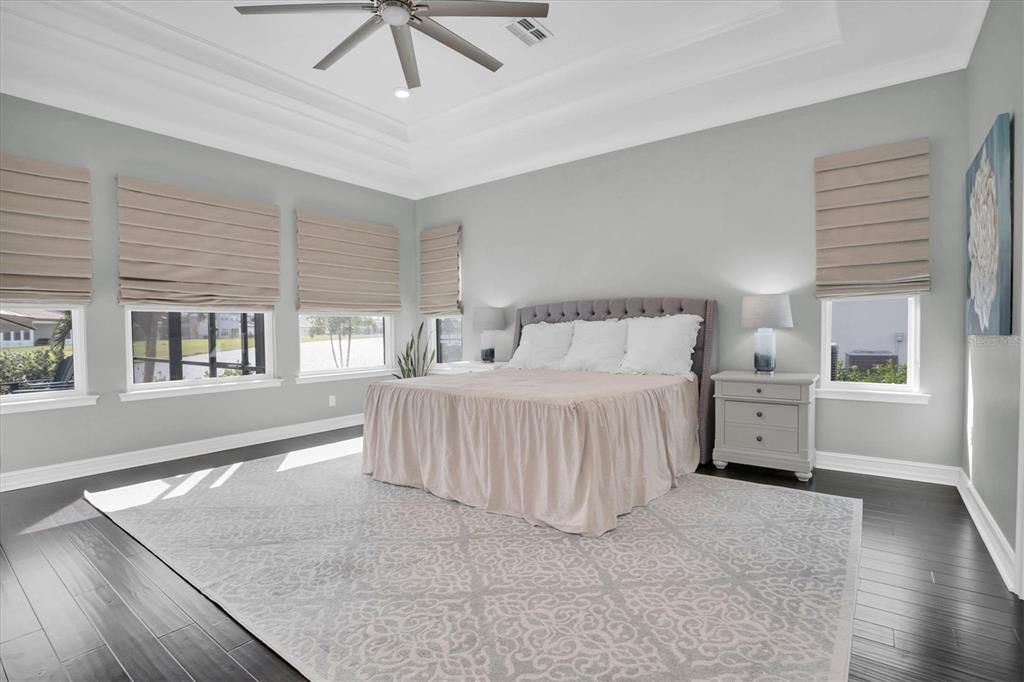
416	358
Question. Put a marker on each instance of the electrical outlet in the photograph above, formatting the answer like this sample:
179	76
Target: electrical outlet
332	401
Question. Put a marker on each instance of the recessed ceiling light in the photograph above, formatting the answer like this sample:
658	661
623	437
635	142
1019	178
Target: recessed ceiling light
403	93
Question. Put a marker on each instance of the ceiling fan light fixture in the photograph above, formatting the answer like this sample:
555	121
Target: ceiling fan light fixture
395	12
403	16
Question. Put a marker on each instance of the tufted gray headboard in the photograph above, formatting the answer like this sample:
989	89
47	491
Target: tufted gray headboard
705	353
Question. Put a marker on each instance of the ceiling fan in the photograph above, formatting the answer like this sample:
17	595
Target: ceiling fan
400	15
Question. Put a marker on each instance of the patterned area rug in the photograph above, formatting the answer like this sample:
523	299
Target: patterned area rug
349	579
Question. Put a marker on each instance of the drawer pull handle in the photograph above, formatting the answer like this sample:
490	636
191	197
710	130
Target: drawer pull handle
758	390
759	439
760	414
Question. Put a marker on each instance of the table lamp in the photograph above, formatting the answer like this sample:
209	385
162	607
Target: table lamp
765	314
487	320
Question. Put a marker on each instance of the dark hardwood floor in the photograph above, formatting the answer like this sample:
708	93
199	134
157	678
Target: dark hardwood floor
930	603
81	600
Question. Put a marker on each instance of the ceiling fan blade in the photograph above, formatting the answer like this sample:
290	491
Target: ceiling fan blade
345	46
481	8
406	55
306	7
461	45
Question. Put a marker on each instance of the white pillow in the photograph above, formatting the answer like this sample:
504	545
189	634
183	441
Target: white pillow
597	346
543	346
661	345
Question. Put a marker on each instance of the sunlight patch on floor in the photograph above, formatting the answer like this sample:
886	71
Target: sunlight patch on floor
322	453
191	482
128	496
222	479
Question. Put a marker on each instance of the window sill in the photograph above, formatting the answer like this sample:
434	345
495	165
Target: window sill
874	396
344	376
37	404
177	391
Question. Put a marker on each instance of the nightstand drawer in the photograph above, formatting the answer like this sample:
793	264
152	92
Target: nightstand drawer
754	438
736	389
762	414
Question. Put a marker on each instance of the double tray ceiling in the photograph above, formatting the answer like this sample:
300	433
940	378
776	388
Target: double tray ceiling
615	74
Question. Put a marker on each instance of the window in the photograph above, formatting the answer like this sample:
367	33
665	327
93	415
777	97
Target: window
870	345
448	336
31	372
196	347
330	343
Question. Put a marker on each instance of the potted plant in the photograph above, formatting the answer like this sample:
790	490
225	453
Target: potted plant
414	360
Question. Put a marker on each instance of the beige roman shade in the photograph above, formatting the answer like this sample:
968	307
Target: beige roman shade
872	220
183	246
347	266
45	233
441	270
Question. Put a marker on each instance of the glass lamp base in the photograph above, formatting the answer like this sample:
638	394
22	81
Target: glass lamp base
764	351
487	346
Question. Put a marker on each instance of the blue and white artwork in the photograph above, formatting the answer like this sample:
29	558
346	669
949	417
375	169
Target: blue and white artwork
990	234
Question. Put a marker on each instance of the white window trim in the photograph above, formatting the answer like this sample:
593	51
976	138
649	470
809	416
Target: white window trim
910	393
352	375
52	400
168	389
214	386
317	376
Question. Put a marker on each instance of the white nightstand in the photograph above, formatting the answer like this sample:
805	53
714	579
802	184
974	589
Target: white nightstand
765	420
466	367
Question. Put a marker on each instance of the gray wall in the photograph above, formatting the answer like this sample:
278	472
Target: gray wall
994	86
725	212
718	213
107	149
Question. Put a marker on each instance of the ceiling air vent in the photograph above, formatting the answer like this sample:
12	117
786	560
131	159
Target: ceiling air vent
530	31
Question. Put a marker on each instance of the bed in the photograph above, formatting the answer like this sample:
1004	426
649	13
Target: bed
571	450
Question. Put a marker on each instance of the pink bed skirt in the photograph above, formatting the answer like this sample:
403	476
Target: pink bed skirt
572	450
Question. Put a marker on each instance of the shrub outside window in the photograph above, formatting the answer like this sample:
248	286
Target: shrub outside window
870	343
42	352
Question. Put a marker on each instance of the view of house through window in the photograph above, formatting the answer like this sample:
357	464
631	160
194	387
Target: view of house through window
332	343
36	350
448	333
190	346
870	340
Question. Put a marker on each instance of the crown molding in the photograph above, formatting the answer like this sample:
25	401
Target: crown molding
118	25
649	121
130	84
113	61
590	75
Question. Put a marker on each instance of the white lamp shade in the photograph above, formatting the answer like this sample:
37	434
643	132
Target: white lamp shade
488	319
766	311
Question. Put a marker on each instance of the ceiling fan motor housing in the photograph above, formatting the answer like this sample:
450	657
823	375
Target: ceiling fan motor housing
395	12
404	15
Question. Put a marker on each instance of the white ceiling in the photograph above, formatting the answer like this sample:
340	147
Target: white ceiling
617	73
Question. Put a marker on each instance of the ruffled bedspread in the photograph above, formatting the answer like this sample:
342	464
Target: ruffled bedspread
572	450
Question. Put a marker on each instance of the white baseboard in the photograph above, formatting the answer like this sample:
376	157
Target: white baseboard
25	478
998	546
889	468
